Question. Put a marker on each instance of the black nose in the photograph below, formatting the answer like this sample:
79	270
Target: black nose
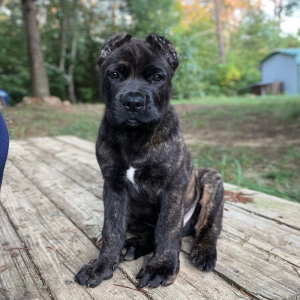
133	103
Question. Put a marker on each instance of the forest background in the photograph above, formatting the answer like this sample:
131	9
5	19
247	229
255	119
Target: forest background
220	42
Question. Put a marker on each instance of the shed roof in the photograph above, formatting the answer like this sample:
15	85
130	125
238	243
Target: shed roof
295	52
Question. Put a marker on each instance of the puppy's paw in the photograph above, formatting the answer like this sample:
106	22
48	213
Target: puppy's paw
136	247
204	257
154	274
95	272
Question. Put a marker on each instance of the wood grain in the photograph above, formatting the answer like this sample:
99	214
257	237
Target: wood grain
86	211
18	277
58	248
258	255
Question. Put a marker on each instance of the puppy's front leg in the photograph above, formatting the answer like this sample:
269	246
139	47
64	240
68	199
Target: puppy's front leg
164	265
116	211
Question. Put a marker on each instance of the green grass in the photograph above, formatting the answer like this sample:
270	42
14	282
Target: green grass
242	109
273	172
41	120
272	167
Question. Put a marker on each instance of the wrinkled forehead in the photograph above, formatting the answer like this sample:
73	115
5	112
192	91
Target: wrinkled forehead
136	54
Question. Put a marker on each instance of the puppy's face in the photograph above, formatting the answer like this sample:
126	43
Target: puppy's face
136	79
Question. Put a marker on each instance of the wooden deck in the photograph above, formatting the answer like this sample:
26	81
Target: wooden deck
51	218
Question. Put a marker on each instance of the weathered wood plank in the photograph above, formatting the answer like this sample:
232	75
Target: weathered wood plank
58	248
18	277
62	149
263	275
257	288
265	205
275	238
284	211
50	181
85	145
46	151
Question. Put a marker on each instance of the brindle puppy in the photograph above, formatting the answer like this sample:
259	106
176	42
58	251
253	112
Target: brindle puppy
151	188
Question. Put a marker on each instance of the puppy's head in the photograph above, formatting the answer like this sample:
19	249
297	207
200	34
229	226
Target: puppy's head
136	79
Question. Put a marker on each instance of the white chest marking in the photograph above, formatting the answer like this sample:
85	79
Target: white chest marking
130	174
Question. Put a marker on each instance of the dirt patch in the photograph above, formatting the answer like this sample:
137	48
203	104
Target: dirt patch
251	130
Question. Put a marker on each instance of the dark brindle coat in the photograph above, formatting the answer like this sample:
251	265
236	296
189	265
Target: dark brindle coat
151	188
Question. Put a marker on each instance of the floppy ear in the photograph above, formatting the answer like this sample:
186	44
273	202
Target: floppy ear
162	45
112	45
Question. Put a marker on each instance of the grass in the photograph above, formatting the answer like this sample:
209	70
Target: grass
252	142
40	120
273	172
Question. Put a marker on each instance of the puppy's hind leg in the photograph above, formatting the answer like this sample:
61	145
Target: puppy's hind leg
209	224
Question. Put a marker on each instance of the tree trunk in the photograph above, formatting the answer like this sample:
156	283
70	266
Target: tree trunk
219	31
71	86
278	11
280	8
39	78
63	26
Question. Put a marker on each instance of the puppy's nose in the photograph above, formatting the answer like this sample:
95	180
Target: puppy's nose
133	104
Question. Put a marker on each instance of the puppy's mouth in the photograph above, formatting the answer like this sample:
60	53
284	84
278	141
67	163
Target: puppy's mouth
133	122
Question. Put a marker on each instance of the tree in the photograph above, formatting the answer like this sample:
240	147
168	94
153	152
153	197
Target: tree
278	8
39	79
292	6
219	31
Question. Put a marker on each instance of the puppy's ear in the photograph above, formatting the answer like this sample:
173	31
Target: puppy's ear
112	45
162	45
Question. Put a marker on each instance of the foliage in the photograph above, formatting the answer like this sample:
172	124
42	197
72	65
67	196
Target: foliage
249	35
14	73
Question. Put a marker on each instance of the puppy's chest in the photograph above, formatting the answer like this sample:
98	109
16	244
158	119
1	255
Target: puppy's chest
144	180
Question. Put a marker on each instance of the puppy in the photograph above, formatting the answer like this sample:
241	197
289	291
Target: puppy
151	188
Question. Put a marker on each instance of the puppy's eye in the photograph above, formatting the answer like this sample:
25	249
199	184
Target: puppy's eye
157	77
113	75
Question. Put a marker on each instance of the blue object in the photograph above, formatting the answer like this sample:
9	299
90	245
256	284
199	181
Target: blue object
4	95
4	143
283	65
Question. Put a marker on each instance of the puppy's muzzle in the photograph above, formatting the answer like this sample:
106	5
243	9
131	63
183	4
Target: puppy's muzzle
133	102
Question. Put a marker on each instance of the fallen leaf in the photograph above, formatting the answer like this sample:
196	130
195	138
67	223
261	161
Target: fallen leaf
237	197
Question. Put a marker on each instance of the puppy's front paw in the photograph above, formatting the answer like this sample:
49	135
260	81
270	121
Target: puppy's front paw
204	257
95	272
154	274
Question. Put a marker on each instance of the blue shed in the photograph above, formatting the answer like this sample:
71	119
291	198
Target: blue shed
283	66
